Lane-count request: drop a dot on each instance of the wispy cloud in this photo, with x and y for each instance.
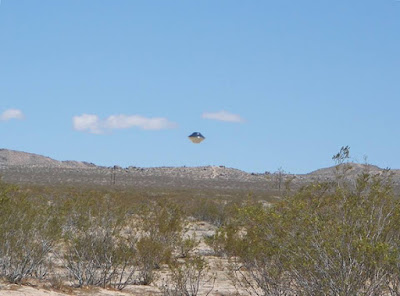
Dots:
(87, 123)
(223, 116)
(12, 114)
(93, 124)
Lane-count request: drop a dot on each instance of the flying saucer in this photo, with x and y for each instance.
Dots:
(196, 137)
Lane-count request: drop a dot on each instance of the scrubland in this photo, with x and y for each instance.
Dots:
(329, 238)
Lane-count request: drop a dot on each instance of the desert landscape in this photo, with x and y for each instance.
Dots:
(27, 168)
(199, 148)
(172, 230)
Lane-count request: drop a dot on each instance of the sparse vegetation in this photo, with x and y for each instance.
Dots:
(340, 237)
(102, 238)
(29, 228)
(188, 277)
(328, 239)
(96, 250)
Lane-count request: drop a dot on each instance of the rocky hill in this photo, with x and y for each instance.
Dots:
(27, 168)
(17, 158)
(353, 169)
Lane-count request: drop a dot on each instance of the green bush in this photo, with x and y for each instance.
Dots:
(162, 224)
(188, 277)
(96, 250)
(163, 221)
(328, 239)
(216, 212)
(29, 228)
(187, 245)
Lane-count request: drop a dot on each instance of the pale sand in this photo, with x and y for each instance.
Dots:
(219, 266)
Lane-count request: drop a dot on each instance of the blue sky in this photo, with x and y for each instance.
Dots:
(269, 83)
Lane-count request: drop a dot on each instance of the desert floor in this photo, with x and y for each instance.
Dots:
(218, 269)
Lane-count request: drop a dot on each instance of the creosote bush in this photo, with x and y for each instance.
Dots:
(162, 224)
(328, 239)
(214, 211)
(188, 277)
(102, 238)
(29, 228)
(187, 245)
(96, 250)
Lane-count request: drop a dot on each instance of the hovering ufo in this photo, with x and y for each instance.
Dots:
(196, 137)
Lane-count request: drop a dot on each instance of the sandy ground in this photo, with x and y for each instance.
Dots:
(219, 267)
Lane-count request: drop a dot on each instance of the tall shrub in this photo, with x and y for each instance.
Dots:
(329, 239)
(29, 229)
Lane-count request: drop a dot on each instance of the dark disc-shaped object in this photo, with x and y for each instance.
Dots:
(196, 137)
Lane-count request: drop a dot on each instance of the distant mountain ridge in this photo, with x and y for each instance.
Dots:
(29, 168)
(19, 158)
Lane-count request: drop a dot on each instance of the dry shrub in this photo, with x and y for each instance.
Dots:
(96, 253)
(29, 228)
(328, 239)
(188, 277)
(162, 223)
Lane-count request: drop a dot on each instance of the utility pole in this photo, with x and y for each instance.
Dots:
(113, 175)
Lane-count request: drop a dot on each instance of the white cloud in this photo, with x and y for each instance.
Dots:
(93, 124)
(127, 121)
(223, 116)
(87, 123)
(12, 114)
